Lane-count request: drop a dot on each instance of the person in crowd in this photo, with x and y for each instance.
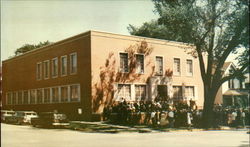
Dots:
(189, 118)
(171, 117)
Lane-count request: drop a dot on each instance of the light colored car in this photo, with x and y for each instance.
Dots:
(24, 117)
(7, 116)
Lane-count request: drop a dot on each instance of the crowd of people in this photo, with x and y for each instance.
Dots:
(180, 114)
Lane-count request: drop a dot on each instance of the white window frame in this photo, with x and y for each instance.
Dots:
(140, 72)
(61, 65)
(187, 70)
(54, 75)
(156, 73)
(49, 101)
(79, 93)
(18, 97)
(44, 62)
(145, 90)
(68, 93)
(37, 95)
(120, 70)
(51, 96)
(127, 99)
(39, 76)
(14, 93)
(181, 96)
(174, 73)
(8, 99)
(28, 102)
(30, 97)
(70, 65)
(188, 97)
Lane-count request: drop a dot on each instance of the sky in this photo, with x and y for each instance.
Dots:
(35, 21)
(40, 20)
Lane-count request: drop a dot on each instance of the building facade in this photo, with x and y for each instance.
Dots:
(80, 75)
(233, 92)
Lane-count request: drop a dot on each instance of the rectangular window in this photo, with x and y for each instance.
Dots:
(64, 94)
(25, 97)
(54, 65)
(124, 91)
(39, 71)
(140, 92)
(39, 93)
(73, 63)
(46, 69)
(159, 66)
(139, 63)
(55, 94)
(32, 96)
(177, 66)
(189, 91)
(14, 98)
(9, 98)
(123, 62)
(64, 65)
(20, 97)
(189, 67)
(74, 93)
(46, 92)
(178, 92)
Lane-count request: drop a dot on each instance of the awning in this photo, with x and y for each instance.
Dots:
(234, 93)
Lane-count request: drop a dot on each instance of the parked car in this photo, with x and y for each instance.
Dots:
(50, 119)
(7, 116)
(24, 117)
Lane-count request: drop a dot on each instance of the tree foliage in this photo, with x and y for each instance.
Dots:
(217, 28)
(28, 47)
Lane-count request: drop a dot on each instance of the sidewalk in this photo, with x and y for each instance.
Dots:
(102, 127)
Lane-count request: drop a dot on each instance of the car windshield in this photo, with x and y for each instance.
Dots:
(11, 113)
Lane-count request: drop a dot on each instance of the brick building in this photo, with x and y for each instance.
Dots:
(80, 75)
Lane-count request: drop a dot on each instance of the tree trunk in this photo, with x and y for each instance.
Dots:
(208, 116)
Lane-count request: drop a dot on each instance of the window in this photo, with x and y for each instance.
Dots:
(64, 94)
(19, 97)
(140, 92)
(46, 92)
(73, 63)
(177, 91)
(74, 93)
(64, 65)
(124, 91)
(55, 94)
(9, 98)
(46, 69)
(231, 84)
(54, 65)
(39, 94)
(25, 97)
(139, 63)
(159, 66)
(189, 67)
(39, 71)
(14, 98)
(123, 62)
(32, 96)
(177, 66)
(189, 91)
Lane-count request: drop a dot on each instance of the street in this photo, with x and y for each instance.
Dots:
(27, 136)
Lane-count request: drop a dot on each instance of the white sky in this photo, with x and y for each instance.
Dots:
(40, 20)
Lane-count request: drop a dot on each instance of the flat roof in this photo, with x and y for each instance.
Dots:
(88, 33)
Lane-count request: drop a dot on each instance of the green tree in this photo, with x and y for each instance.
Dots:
(28, 47)
(216, 29)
